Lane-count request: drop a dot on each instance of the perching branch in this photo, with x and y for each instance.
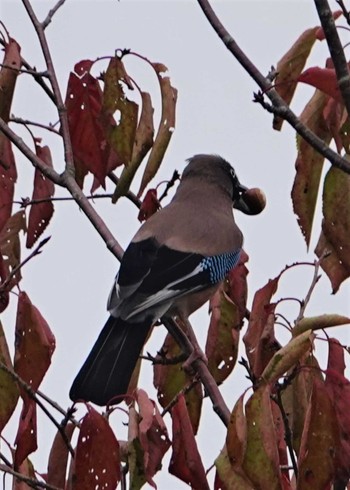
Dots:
(279, 107)
(336, 50)
(31, 482)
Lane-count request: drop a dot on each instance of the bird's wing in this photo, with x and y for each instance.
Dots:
(151, 276)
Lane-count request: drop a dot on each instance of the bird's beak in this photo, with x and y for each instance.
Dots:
(239, 202)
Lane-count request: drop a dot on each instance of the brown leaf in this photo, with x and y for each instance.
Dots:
(336, 225)
(227, 478)
(40, 214)
(259, 340)
(335, 116)
(319, 322)
(165, 129)
(90, 148)
(290, 66)
(261, 459)
(142, 144)
(135, 453)
(186, 463)
(8, 76)
(10, 246)
(319, 441)
(338, 388)
(26, 469)
(97, 460)
(58, 459)
(309, 164)
(286, 357)
(9, 391)
(149, 205)
(4, 291)
(34, 344)
(221, 347)
(26, 438)
(333, 267)
(170, 380)
(236, 438)
(153, 435)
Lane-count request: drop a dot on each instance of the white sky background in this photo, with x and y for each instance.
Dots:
(70, 281)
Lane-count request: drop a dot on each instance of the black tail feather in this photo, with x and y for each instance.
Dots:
(106, 372)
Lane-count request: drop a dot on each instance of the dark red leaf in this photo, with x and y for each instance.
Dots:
(90, 148)
(149, 206)
(153, 435)
(8, 178)
(186, 463)
(34, 344)
(9, 392)
(83, 67)
(40, 214)
(317, 457)
(338, 388)
(259, 339)
(26, 438)
(97, 460)
(236, 284)
(58, 459)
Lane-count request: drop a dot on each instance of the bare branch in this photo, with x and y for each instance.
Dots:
(51, 13)
(31, 482)
(344, 10)
(42, 74)
(335, 49)
(26, 122)
(279, 106)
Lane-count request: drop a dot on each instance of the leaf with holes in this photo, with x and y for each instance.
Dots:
(9, 391)
(153, 435)
(171, 379)
(221, 347)
(185, 463)
(8, 178)
(97, 460)
(165, 129)
(261, 458)
(34, 344)
(319, 441)
(309, 164)
(40, 214)
(10, 246)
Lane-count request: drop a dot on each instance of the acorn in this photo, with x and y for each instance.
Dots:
(255, 200)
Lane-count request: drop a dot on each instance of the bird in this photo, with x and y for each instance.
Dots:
(173, 265)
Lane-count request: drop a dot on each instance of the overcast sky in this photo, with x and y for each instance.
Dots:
(70, 281)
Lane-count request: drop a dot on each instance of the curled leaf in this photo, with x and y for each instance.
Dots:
(319, 322)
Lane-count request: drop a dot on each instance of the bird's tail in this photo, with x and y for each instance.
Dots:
(106, 372)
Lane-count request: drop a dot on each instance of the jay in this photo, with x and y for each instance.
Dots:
(173, 265)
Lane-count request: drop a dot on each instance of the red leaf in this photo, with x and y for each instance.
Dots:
(34, 344)
(319, 441)
(236, 284)
(9, 392)
(149, 206)
(8, 178)
(82, 67)
(338, 388)
(324, 79)
(84, 102)
(40, 214)
(97, 460)
(26, 438)
(320, 33)
(186, 463)
(153, 435)
(58, 459)
(259, 339)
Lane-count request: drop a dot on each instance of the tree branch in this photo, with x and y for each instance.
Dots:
(51, 13)
(31, 482)
(279, 106)
(336, 50)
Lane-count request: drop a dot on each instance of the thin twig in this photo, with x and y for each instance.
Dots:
(51, 13)
(26, 122)
(26, 479)
(345, 11)
(336, 50)
(27, 71)
(14, 271)
(315, 278)
(288, 437)
(186, 389)
(279, 106)
(31, 393)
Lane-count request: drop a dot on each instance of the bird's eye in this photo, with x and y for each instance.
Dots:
(233, 173)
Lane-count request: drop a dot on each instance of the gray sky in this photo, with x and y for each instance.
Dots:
(70, 281)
